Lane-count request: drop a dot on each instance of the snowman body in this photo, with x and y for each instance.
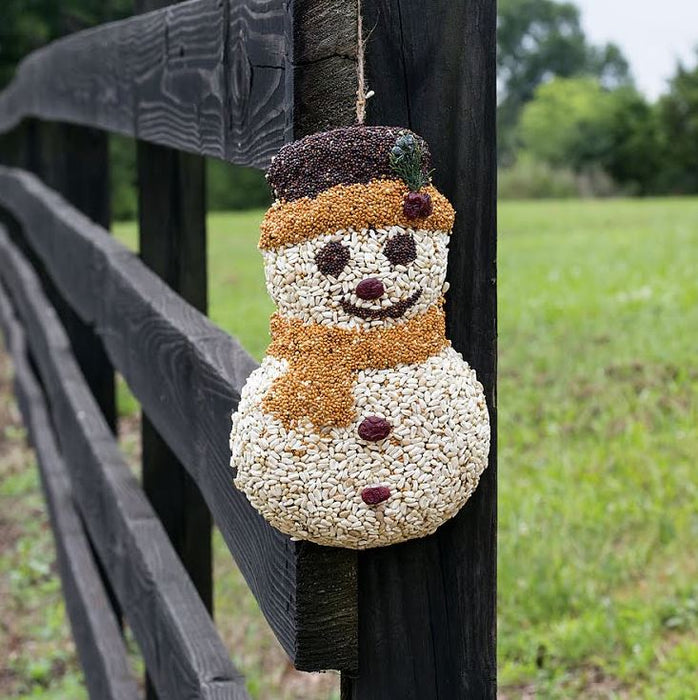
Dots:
(309, 484)
(383, 433)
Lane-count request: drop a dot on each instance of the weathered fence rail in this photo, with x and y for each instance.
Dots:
(233, 79)
(183, 653)
(223, 78)
(95, 628)
(187, 374)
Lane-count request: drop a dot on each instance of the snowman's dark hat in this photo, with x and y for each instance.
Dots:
(355, 154)
(362, 177)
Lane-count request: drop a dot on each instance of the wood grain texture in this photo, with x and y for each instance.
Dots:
(84, 182)
(188, 374)
(95, 628)
(184, 655)
(213, 77)
(172, 243)
(427, 608)
(49, 151)
(325, 58)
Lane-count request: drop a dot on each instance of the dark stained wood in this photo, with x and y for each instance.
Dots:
(183, 653)
(188, 375)
(427, 608)
(95, 628)
(325, 58)
(324, 39)
(74, 161)
(172, 236)
(213, 77)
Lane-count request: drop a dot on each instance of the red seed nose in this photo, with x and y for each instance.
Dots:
(373, 495)
(370, 288)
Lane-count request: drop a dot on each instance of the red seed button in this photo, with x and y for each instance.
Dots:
(374, 428)
(370, 288)
(373, 495)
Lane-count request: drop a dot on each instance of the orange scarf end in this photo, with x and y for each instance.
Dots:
(324, 362)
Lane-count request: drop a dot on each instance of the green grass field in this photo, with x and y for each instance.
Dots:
(598, 500)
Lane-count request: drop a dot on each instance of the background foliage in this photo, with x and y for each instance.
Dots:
(569, 106)
(538, 39)
(570, 121)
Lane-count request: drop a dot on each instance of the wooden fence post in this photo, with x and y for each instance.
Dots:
(427, 608)
(172, 225)
(172, 242)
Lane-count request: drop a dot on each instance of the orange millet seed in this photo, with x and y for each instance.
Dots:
(324, 360)
(378, 204)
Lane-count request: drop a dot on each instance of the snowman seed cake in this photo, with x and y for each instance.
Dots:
(362, 427)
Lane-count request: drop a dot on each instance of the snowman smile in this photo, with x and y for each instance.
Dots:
(393, 311)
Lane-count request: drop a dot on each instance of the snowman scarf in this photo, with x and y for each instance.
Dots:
(324, 362)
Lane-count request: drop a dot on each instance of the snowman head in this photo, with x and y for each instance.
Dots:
(354, 247)
(363, 278)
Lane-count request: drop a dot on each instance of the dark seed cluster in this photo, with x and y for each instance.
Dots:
(373, 495)
(417, 205)
(355, 154)
(332, 258)
(394, 311)
(374, 428)
(401, 249)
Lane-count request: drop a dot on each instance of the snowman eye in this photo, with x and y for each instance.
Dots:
(400, 249)
(332, 259)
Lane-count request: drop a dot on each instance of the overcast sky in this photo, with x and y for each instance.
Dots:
(653, 35)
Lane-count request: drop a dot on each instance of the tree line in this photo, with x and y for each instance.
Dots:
(570, 120)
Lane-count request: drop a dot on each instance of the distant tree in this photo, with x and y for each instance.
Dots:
(536, 41)
(609, 65)
(634, 158)
(123, 176)
(579, 124)
(234, 187)
(568, 123)
(678, 122)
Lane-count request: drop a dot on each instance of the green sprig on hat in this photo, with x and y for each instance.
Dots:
(406, 161)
